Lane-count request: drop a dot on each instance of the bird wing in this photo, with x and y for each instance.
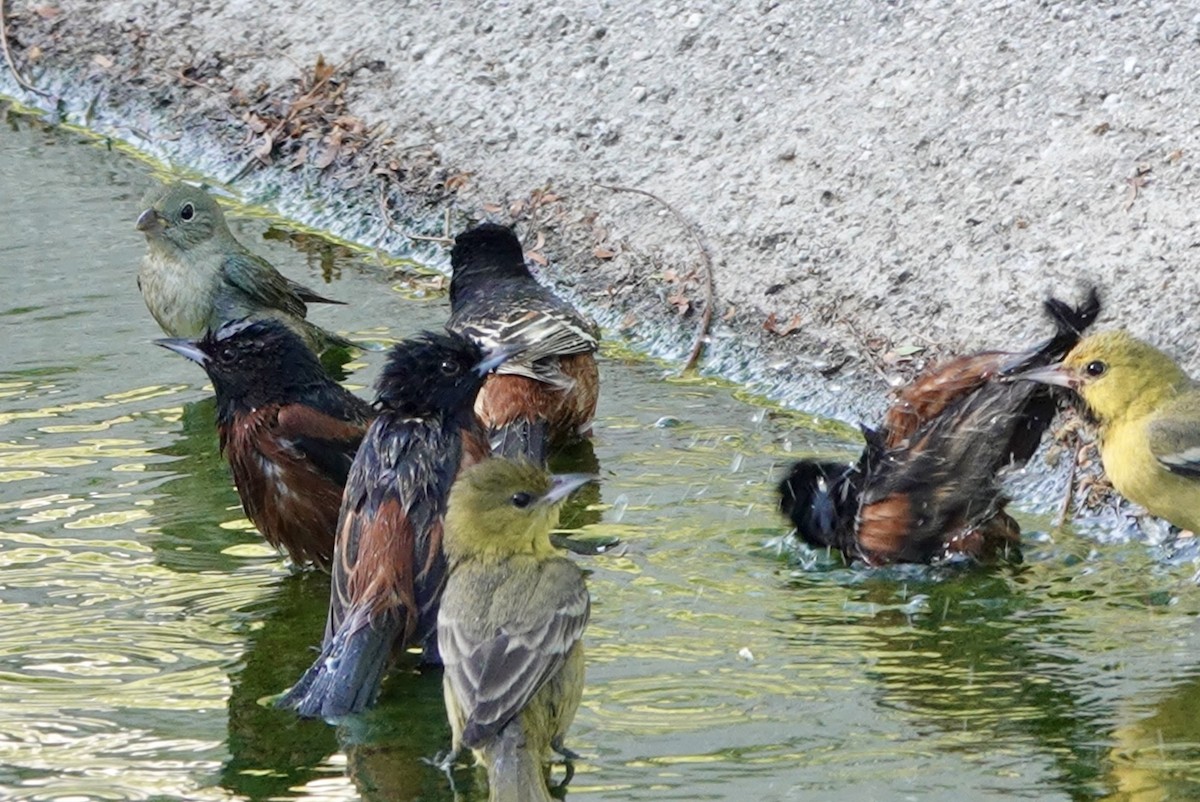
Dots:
(308, 294)
(1175, 437)
(389, 530)
(495, 667)
(256, 278)
(328, 443)
(542, 334)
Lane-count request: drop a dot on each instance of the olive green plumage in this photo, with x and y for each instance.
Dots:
(510, 624)
(196, 276)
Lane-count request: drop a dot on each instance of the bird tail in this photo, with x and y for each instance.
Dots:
(524, 437)
(1070, 322)
(516, 773)
(321, 340)
(345, 677)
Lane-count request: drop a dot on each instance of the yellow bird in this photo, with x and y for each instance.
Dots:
(510, 624)
(1148, 411)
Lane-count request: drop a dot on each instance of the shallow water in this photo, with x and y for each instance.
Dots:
(143, 621)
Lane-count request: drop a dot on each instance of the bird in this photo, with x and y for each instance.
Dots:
(926, 486)
(388, 567)
(288, 431)
(196, 276)
(547, 396)
(1148, 414)
(511, 623)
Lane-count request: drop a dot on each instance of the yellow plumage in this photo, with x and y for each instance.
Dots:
(1148, 412)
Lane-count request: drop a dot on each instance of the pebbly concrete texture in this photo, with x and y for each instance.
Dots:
(876, 182)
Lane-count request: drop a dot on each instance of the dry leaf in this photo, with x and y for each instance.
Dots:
(680, 302)
(47, 12)
(33, 54)
(538, 257)
(601, 252)
(492, 208)
(730, 313)
(772, 325)
(322, 72)
(102, 61)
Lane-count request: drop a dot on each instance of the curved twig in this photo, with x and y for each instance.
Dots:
(706, 261)
(12, 65)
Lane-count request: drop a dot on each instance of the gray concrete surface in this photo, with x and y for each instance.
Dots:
(880, 177)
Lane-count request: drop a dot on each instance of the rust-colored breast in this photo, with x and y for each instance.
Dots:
(506, 398)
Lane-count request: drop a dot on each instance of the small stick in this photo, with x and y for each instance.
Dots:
(12, 65)
(445, 239)
(706, 260)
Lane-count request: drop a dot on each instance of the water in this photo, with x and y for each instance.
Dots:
(143, 621)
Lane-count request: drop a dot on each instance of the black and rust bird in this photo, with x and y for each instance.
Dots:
(511, 624)
(196, 276)
(926, 485)
(389, 568)
(288, 431)
(547, 395)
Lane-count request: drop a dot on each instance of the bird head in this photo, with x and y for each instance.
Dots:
(1115, 374)
(488, 251)
(436, 373)
(505, 507)
(252, 362)
(181, 216)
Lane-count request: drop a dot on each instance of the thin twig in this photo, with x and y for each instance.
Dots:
(445, 239)
(1065, 508)
(869, 352)
(706, 260)
(12, 65)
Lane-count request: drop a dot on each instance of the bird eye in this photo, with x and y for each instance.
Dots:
(1095, 368)
(227, 354)
(521, 500)
(187, 211)
(449, 367)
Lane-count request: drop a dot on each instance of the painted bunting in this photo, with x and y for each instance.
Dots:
(388, 568)
(288, 431)
(511, 623)
(196, 276)
(1148, 412)
(548, 395)
(926, 484)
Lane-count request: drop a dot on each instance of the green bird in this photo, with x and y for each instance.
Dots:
(196, 276)
(510, 624)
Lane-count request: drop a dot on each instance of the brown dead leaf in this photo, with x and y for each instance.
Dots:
(600, 252)
(33, 54)
(102, 61)
(456, 181)
(670, 275)
(1173, 157)
(680, 302)
(492, 208)
(773, 325)
(537, 257)
(47, 11)
(730, 313)
(540, 242)
(322, 72)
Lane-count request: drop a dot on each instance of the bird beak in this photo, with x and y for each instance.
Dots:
(564, 484)
(497, 357)
(1049, 374)
(150, 221)
(188, 349)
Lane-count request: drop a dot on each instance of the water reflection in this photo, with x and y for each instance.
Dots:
(272, 751)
